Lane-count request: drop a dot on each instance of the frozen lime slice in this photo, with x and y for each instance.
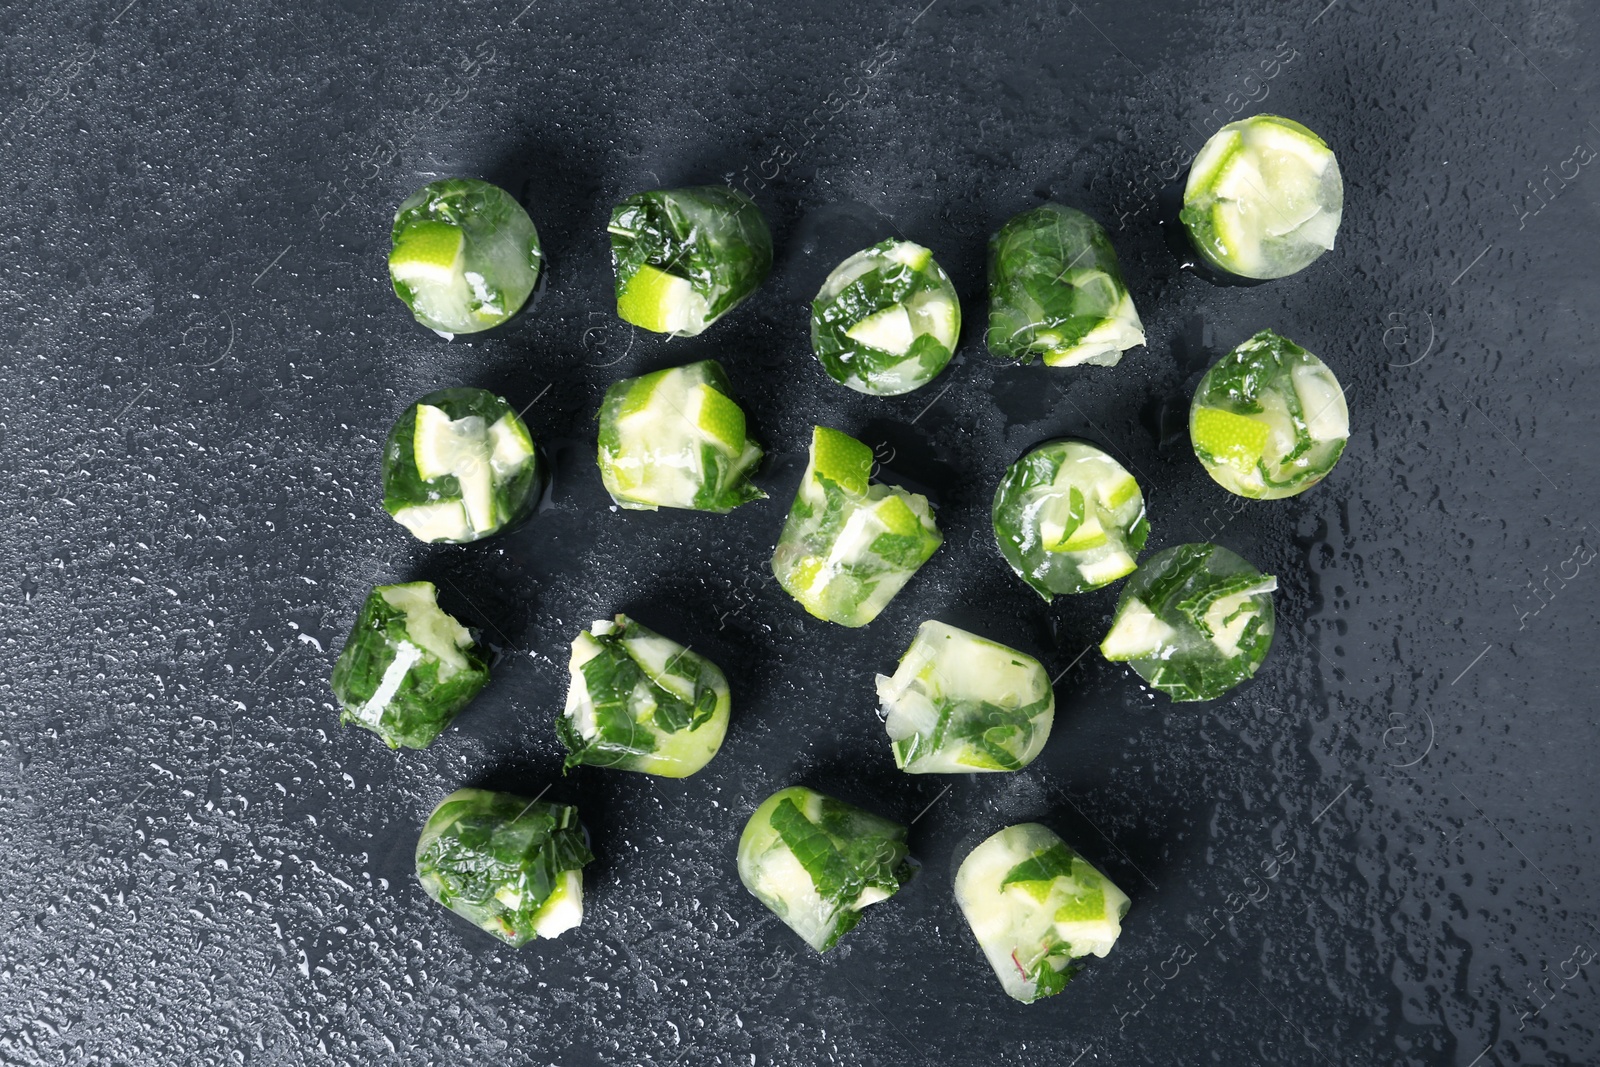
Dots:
(911, 254)
(841, 458)
(432, 441)
(1240, 231)
(660, 302)
(444, 446)
(509, 445)
(1285, 136)
(937, 314)
(716, 416)
(429, 253)
(1227, 619)
(1115, 494)
(1089, 534)
(804, 577)
(1062, 513)
(477, 495)
(1240, 179)
(1037, 888)
(897, 516)
(1136, 633)
(1322, 400)
(870, 895)
(1088, 906)
(563, 908)
(427, 625)
(888, 331)
(1115, 564)
(1236, 440)
(444, 521)
(857, 266)
(637, 399)
(1297, 189)
(458, 447)
(1215, 155)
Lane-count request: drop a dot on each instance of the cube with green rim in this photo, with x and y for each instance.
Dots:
(638, 701)
(1069, 518)
(1036, 907)
(464, 257)
(1194, 621)
(849, 544)
(817, 862)
(459, 465)
(1264, 198)
(509, 865)
(886, 320)
(686, 257)
(407, 668)
(1269, 419)
(1056, 291)
(677, 439)
(960, 703)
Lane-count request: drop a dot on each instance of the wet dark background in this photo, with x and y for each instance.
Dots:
(1377, 853)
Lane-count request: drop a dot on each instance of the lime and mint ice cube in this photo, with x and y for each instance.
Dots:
(849, 545)
(464, 255)
(677, 439)
(459, 465)
(886, 320)
(1264, 198)
(1069, 518)
(1194, 621)
(1268, 419)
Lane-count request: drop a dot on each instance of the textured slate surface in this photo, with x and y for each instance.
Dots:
(1374, 854)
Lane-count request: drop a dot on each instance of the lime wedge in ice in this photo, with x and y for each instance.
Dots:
(1237, 440)
(1088, 906)
(429, 253)
(716, 416)
(888, 331)
(657, 301)
(840, 458)
(897, 516)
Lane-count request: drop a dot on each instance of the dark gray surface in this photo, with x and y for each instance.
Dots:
(1376, 853)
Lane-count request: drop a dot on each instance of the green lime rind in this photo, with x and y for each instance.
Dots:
(638, 701)
(848, 545)
(1264, 198)
(1221, 436)
(816, 862)
(1206, 617)
(1295, 400)
(892, 278)
(677, 438)
(391, 678)
(656, 300)
(499, 262)
(514, 492)
(504, 863)
(1068, 484)
(841, 459)
(712, 236)
(1056, 291)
